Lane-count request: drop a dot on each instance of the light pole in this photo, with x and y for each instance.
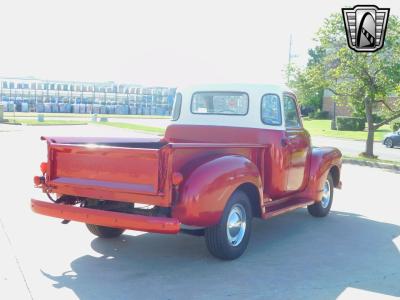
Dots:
(333, 123)
(290, 60)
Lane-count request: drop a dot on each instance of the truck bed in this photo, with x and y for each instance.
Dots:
(127, 170)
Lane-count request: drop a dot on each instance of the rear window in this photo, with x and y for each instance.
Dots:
(220, 103)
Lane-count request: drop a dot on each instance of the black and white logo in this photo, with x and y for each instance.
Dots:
(365, 27)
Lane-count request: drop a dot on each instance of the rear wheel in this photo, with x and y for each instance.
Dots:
(322, 207)
(104, 232)
(229, 238)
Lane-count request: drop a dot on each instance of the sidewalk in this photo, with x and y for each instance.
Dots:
(12, 281)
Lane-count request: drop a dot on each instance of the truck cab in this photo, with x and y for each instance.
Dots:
(271, 118)
(230, 154)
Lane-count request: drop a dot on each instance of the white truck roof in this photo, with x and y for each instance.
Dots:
(252, 119)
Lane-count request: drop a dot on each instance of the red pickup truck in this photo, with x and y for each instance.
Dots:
(231, 153)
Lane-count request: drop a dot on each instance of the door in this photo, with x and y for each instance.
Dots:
(297, 144)
(396, 138)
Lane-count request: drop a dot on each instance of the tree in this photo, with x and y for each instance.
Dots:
(363, 80)
(309, 94)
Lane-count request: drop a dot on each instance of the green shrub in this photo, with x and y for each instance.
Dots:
(376, 118)
(395, 125)
(319, 115)
(350, 123)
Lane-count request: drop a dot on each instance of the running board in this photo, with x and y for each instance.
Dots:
(280, 207)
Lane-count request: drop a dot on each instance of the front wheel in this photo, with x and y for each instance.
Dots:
(229, 238)
(389, 143)
(321, 208)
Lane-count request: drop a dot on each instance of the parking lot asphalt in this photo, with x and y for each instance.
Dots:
(354, 148)
(354, 253)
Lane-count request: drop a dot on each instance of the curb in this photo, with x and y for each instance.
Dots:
(346, 139)
(22, 124)
(372, 164)
(54, 124)
(7, 123)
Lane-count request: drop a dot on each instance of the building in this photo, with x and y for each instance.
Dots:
(36, 95)
(343, 109)
(328, 105)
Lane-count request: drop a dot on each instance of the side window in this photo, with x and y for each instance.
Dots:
(176, 111)
(292, 119)
(271, 110)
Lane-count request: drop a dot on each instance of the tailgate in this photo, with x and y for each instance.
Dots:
(103, 172)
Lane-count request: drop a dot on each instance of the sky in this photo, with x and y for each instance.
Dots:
(165, 42)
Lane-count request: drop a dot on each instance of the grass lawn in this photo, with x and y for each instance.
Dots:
(315, 127)
(323, 128)
(137, 127)
(85, 116)
(33, 122)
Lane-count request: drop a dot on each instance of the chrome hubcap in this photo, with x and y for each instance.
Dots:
(236, 225)
(326, 194)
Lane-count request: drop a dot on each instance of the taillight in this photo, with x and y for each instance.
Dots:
(177, 178)
(38, 180)
(43, 167)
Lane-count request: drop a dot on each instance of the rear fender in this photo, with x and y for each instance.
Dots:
(206, 190)
(322, 161)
